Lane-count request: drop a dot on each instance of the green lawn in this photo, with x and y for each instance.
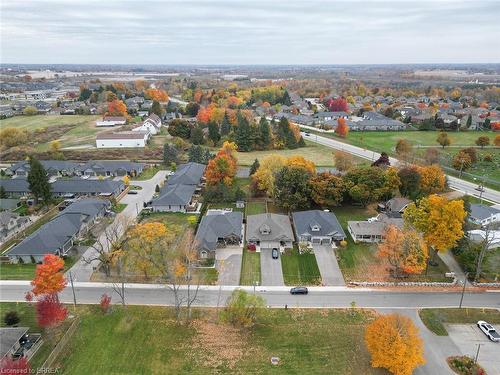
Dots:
(168, 218)
(148, 173)
(26, 271)
(119, 207)
(435, 319)
(27, 315)
(146, 340)
(300, 269)
(250, 268)
(256, 207)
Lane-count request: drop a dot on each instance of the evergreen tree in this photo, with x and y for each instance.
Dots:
(243, 136)
(469, 121)
(197, 136)
(157, 189)
(3, 194)
(283, 130)
(286, 98)
(156, 108)
(170, 153)
(290, 141)
(195, 154)
(206, 156)
(265, 133)
(254, 167)
(225, 128)
(301, 142)
(213, 132)
(39, 181)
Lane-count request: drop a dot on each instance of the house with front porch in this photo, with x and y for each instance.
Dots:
(218, 229)
(316, 227)
(268, 231)
(372, 231)
(176, 198)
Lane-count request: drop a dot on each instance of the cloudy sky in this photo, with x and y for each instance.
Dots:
(249, 32)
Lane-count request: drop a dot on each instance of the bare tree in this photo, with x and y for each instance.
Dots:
(488, 238)
(108, 246)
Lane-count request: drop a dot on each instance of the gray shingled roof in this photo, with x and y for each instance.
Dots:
(50, 237)
(327, 222)
(217, 226)
(111, 165)
(481, 211)
(187, 174)
(279, 225)
(58, 165)
(174, 195)
(15, 185)
(9, 336)
(81, 186)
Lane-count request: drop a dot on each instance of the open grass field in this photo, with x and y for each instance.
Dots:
(300, 269)
(146, 340)
(81, 128)
(435, 319)
(250, 268)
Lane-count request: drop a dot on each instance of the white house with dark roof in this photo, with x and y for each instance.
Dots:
(483, 215)
(128, 139)
(151, 125)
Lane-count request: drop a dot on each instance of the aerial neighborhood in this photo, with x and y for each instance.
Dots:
(210, 191)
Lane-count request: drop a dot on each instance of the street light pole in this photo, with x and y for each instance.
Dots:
(477, 353)
(463, 291)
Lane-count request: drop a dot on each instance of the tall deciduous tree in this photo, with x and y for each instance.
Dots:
(394, 344)
(328, 190)
(156, 108)
(443, 139)
(291, 188)
(117, 108)
(264, 177)
(483, 141)
(410, 182)
(49, 277)
(432, 179)
(342, 129)
(243, 309)
(440, 220)
(337, 105)
(49, 311)
(38, 181)
(343, 161)
(222, 168)
(404, 149)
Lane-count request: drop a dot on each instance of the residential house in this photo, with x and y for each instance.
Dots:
(58, 235)
(15, 187)
(479, 236)
(52, 167)
(16, 342)
(394, 207)
(329, 116)
(317, 227)
(372, 230)
(111, 121)
(122, 139)
(269, 231)
(113, 168)
(152, 125)
(483, 215)
(175, 198)
(89, 188)
(188, 174)
(11, 223)
(219, 229)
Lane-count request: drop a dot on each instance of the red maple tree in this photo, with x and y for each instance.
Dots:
(49, 311)
(337, 105)
(8, 365)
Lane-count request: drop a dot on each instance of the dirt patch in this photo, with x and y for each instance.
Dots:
(220, 345)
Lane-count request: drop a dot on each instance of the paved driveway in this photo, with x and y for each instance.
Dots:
(228, 264)
(467, 337)
(270, 269)
(328, 266)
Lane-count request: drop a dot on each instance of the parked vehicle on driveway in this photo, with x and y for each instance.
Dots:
(299, 290)
(488, 330)
(275, 253)
(133, 192)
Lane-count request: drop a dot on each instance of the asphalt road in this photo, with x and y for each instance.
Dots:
(270, 269)
(81, 270)
(331, 297)
(454, 182)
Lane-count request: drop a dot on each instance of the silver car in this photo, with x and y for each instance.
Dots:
(488, 330)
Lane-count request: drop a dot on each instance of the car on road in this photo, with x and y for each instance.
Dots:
(488, 330)
(480, 188)
(308, 134)
(299, 290)
(275, 253)
(133, 192)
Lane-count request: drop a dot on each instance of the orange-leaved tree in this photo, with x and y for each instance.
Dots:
(394, 344)
(222, 168)
(405, 250)
(117, 108)
(301, 162)
(432, 179)
(49, 277)
(440, 220)
(156, 94)
(342, 129)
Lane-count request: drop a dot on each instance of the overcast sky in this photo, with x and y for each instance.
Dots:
(249, 32)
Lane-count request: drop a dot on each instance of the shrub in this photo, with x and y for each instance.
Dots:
(11, 318)
(105, 303)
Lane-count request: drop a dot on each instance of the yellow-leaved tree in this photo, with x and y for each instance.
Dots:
(432, 179)
(439, 219)
(394, 344)
(264, 177)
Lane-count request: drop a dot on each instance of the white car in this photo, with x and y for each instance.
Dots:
(488, 330)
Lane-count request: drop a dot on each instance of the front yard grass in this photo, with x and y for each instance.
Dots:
(256, 207)
(119, 207)
(146, 340)
(435, 319)
(148, 173)
(300, 269)
(26, 271)
(250, 268)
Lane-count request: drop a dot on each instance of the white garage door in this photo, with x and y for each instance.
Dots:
(269, 244)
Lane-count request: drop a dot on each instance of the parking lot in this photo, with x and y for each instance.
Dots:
(467, 337)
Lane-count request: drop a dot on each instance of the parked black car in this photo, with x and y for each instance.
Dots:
(299, 290)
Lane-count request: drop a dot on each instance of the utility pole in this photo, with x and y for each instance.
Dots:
(477, 353)
(72, 288)
(463, 291)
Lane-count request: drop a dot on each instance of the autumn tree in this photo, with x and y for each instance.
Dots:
(405, 250)
(291, 188)
(156, 94)
(117, 108)
(443, 139)
(50, 312)
(440, 220)
(337, 105)
(382, 161)
(264, 177)
(222, 168)
(394, 344)
(343, 161)
(367, 184)
(30, 111)
(496, 142)
(432, 179)
(38, 181)
(301, 162)
(410, 182)
(483, 141)
(9, 365)
(204, 114)
(342, 129)
(404, 149)
(243, 309)
(461, 162)
(49, 277)
(179, 128)
(328, 190)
